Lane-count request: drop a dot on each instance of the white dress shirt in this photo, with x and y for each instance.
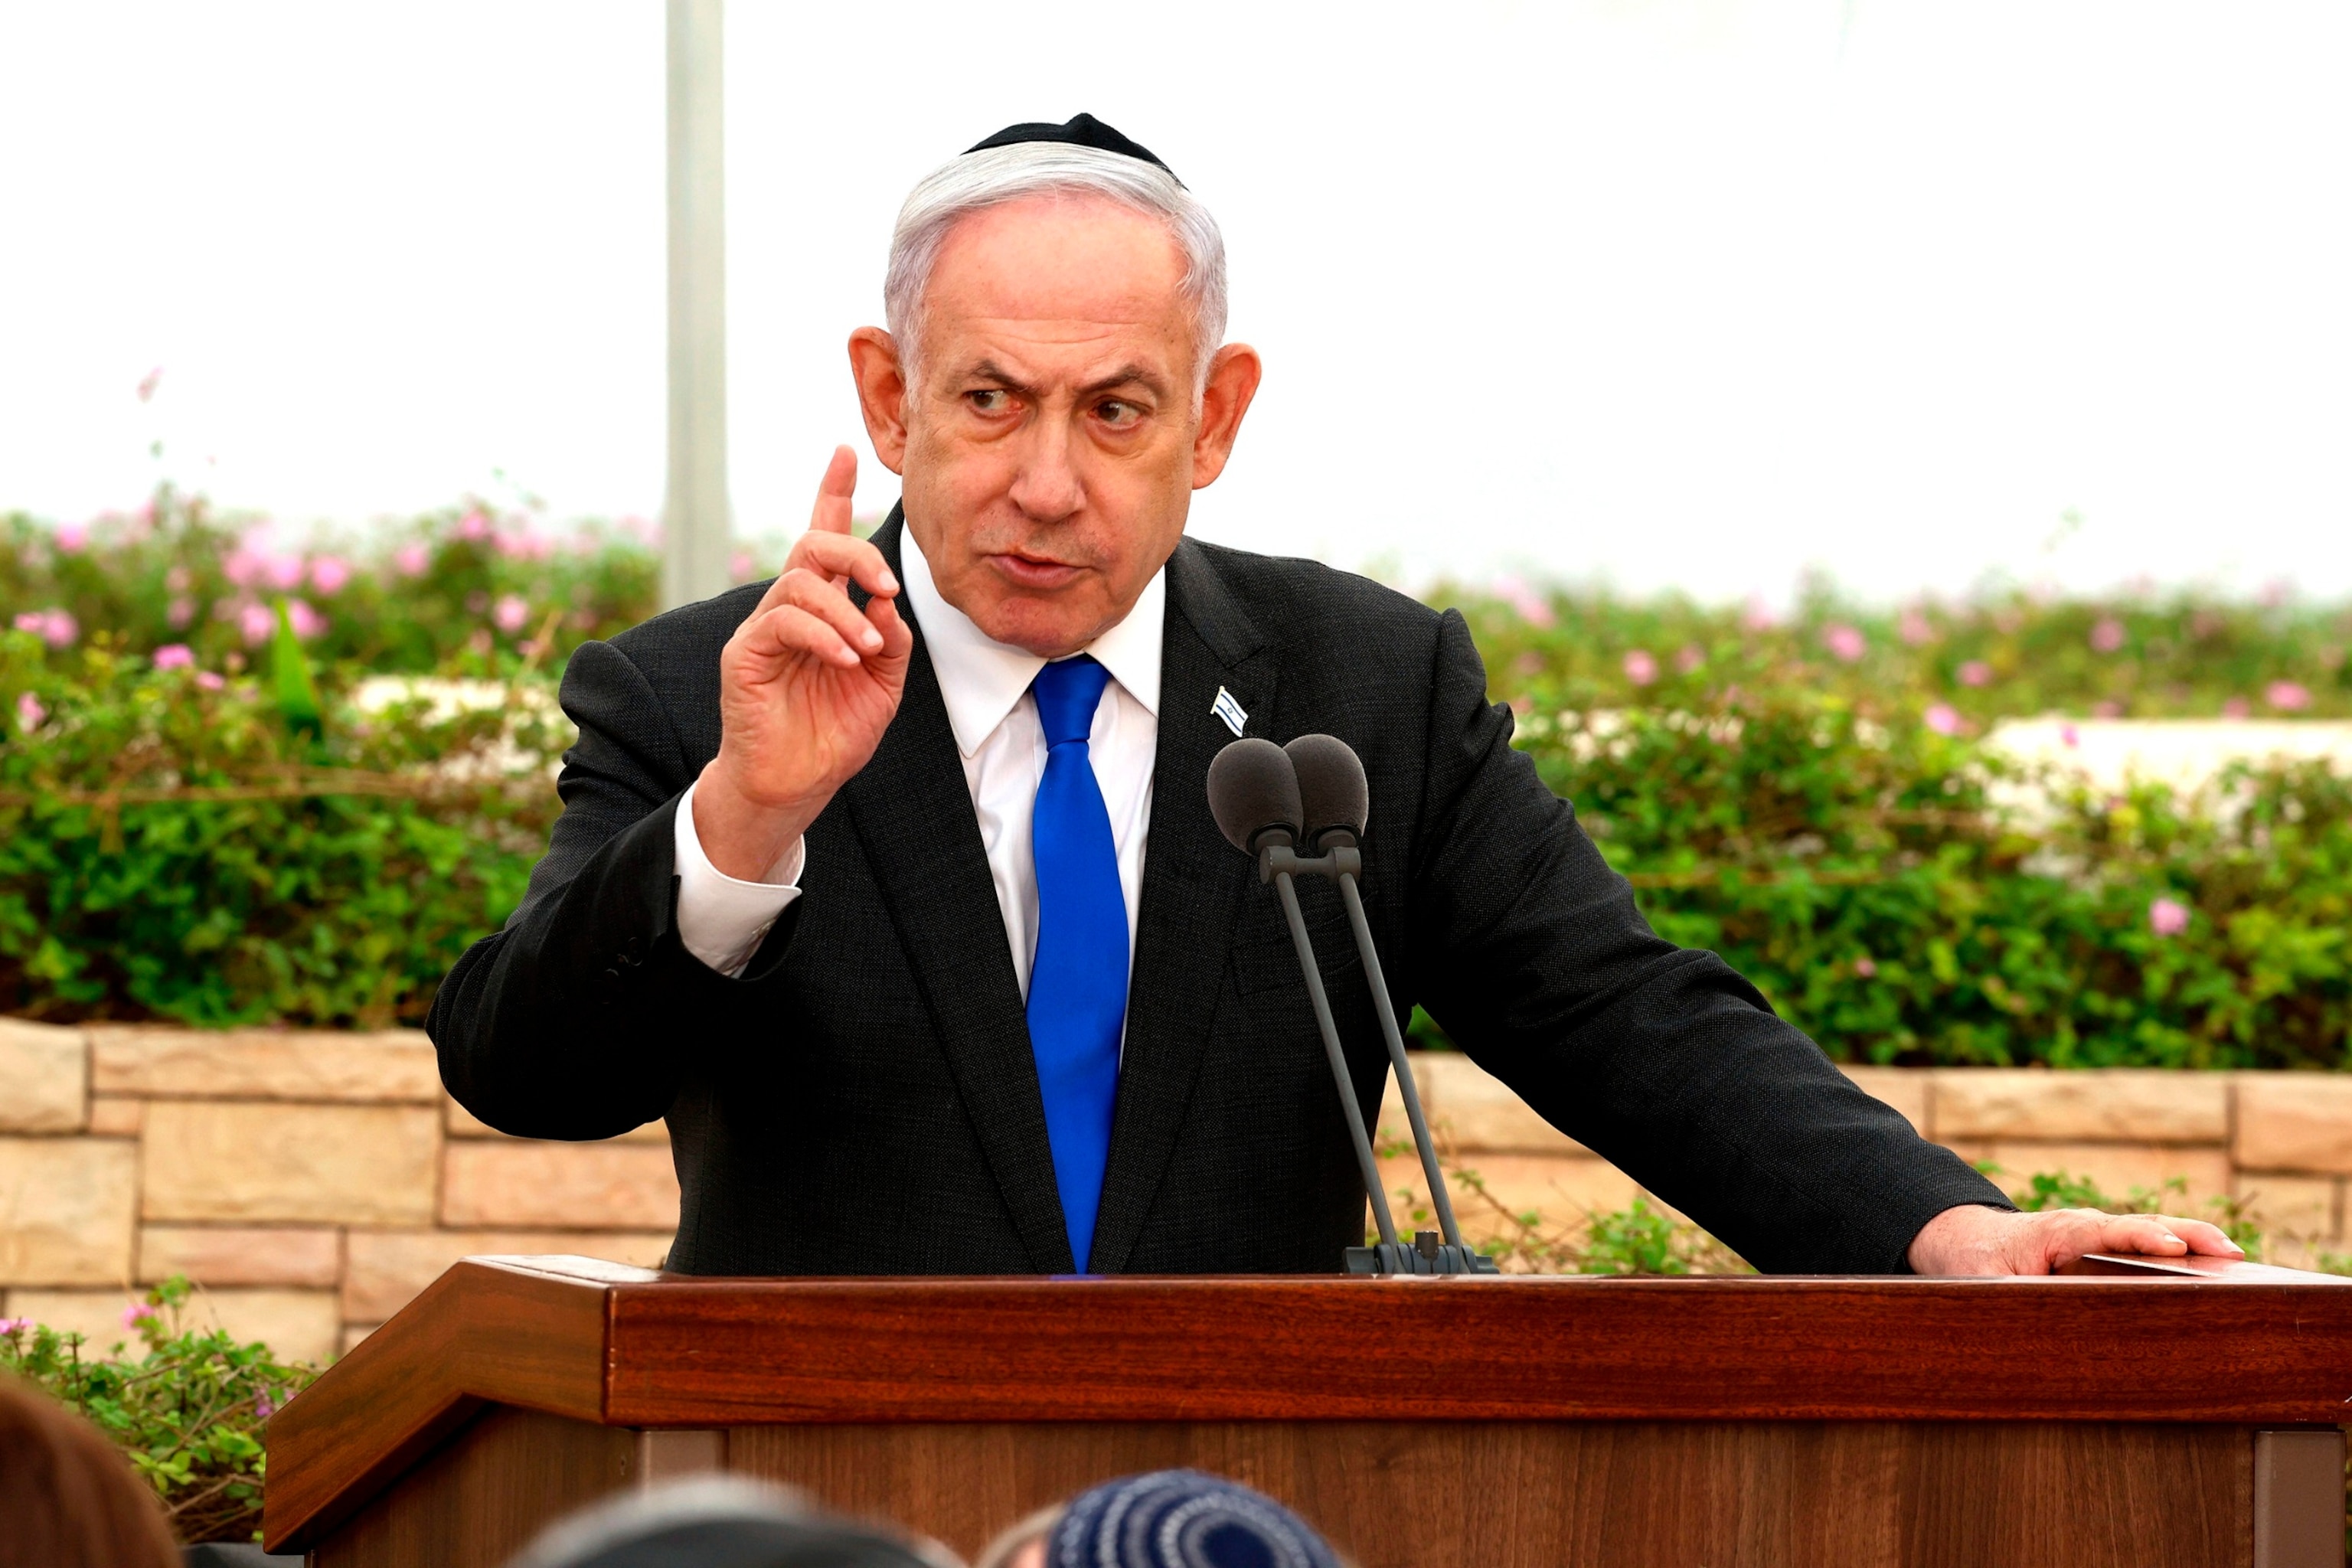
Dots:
(985, 683)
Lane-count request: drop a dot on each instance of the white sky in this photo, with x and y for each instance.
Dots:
(1680, 294)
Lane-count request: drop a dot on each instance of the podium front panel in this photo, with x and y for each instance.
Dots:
(2182, 1418)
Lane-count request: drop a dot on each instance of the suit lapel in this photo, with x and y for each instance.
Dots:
(1193, 884)
(913, 813)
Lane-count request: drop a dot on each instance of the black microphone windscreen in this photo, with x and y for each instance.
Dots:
(1252, 789)
(1332, 793)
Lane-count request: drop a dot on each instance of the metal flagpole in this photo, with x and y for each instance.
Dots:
(695, 509)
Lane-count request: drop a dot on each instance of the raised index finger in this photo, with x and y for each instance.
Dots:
(833, 493)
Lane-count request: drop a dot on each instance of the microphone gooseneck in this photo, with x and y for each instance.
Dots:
(1271, 802)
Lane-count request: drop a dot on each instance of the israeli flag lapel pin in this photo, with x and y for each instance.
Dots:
(1225, 708)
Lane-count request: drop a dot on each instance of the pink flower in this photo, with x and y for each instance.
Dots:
(1865, 966)
(1914, 629)
(329, 573)
(739, 566)
(1758, 616)
(307, 622)
(30, 714)
(58, 628)
(1976, 672)
(2069, 736)
(174, 656)
(2236, 707)
(29, 621)
(14, 1325)
(210, 681)
(2286, 696)
(136, 1313)
(2107, 635)
(72, 538)
(473, 525)
(1847, 642)
(147, 384)
(282, 571)
(257, 623)
(411, 560)
(1943, 718)
(241, 566)
(1641, 669)
(1532, 606)
(2167, 917)
(180, 611)
(1690, 657)
(510, 613)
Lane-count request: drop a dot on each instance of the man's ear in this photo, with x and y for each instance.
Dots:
(881, 379)
(1234, 375)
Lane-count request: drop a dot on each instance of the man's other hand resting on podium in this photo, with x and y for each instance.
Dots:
(1973, 1239)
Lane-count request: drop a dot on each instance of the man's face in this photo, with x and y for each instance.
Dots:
(1052, 445)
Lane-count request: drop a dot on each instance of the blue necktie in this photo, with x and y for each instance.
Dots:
(1077, 983)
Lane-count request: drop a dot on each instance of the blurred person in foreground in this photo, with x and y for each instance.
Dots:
(68, 1498)
(720, 1521)
(892, 883)
(1166, 1518)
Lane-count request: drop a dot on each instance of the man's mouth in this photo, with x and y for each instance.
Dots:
(1032, 571)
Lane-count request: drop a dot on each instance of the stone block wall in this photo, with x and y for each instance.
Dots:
(310, 1183)
(313, 1183)
(2280, 1143)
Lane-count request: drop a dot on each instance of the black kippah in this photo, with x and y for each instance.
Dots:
(1079, 130)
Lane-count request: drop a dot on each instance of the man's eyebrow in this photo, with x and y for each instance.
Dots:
(989, 369)
(1127, 374)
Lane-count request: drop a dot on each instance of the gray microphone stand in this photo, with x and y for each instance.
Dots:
(1431, 1251)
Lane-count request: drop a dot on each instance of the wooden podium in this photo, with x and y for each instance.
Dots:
(2151, 1416)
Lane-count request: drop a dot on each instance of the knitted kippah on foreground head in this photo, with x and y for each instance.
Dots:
(1182, 1518)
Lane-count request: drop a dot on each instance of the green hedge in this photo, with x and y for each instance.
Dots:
(171, 847)
(187, 1412)
(1907, 897)
(191, 834)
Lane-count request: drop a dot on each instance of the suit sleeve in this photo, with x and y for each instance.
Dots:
(564, 1025)
(1662, 1059)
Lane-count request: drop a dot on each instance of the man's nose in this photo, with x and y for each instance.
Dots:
(1046, 488)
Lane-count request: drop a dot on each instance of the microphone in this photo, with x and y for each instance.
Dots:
(1254, 795)
(1335, 801)
(1269, 801)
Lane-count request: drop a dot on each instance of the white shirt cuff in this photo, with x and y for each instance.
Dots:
(723, 920)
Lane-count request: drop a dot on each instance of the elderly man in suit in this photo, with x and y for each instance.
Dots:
(892, 885)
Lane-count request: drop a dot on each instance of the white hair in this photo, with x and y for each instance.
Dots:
(978, 181)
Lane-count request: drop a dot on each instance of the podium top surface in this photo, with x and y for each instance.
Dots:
(603, 1343)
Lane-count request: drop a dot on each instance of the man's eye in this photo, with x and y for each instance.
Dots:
(989, 400)
(1117, 413)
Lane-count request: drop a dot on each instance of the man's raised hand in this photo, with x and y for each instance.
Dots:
(807, 686)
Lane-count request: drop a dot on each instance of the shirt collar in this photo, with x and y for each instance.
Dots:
(981, 679)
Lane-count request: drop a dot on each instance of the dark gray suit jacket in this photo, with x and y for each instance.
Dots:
(862, 1100)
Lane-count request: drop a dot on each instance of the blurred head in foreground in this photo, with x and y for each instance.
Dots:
(68, 1499)
(1166, 1518)
(719, 1522)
